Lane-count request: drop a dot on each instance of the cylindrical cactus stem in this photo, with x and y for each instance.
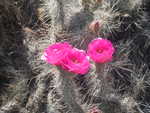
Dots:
(35, 101)
(69, 96)
(66, 88)
(52, 104)
(100, 69)
(103, 74)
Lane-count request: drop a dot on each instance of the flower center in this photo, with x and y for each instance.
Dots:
(75, 60)
(99, 50)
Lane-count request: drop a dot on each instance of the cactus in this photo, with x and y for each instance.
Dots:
(29, 85)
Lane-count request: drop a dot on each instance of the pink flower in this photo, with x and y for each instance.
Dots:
(76, 61)
(101, 50)
(56, 52)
